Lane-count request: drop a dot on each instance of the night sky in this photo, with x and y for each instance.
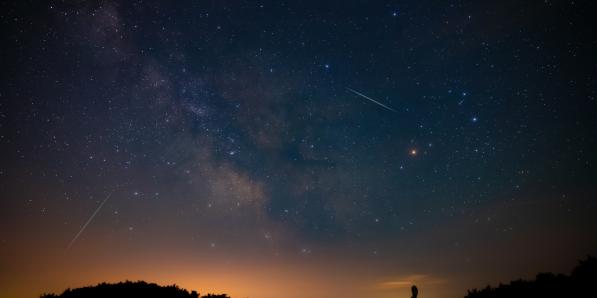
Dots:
(286, 149)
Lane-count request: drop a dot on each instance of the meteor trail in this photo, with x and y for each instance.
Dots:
(369, 98)
(88, 221)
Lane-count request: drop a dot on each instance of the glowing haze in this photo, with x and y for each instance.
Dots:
(279, 150)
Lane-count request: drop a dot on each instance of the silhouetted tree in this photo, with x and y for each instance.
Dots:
(130, 289)
(216, 296)
(580, 283)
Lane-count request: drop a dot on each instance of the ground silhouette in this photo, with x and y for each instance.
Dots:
(582, 282)
(131, 289)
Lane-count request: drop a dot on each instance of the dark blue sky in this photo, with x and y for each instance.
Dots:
(231, 130)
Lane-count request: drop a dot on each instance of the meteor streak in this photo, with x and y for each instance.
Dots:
(88, 221)
(369, 98)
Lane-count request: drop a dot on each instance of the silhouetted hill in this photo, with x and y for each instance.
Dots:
(130, 289)
(582, 282)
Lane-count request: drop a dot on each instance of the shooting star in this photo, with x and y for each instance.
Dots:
(371, 99)
(88, 221)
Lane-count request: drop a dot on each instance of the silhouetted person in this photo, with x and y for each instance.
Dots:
(415, 291)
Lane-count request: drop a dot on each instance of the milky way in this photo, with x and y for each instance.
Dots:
(260, 148)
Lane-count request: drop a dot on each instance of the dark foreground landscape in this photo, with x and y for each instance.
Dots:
(580, 283)
(298, 149)
(131, 289)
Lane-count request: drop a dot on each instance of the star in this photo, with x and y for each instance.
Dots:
(208, 124)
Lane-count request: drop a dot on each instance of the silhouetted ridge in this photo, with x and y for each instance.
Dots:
(582, 282)
(130, 289)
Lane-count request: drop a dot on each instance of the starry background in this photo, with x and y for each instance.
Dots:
(234, 157)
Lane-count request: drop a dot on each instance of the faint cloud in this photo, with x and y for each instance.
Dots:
(403, 282)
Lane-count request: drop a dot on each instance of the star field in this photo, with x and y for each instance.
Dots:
(448, 144)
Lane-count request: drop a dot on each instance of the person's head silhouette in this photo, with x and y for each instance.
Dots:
(415, 291)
